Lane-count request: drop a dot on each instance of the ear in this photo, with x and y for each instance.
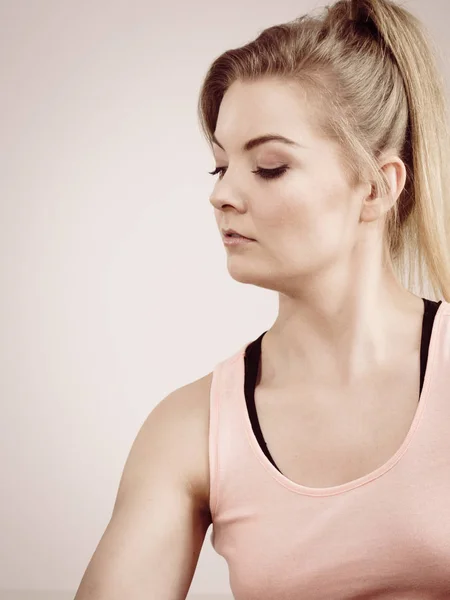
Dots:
(375, 206)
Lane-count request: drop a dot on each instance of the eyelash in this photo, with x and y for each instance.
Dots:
(264, 173)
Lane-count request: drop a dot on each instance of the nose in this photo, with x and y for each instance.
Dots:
(220, 203)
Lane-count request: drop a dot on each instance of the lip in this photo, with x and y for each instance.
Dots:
(236, 241)
(227, 231)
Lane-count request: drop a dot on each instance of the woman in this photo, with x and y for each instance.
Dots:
(320, 451)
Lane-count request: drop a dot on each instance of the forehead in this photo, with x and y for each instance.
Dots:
(270, 106)
(249, 109)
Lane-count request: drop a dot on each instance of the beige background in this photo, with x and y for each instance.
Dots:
(114, 288)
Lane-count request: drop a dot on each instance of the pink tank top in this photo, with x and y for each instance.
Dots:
(383, 536)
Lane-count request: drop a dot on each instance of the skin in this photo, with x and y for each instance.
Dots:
(347, 333)
(319, 242)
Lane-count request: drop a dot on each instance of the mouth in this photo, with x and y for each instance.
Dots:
(230, 233)
(236, 236)
(236, 240)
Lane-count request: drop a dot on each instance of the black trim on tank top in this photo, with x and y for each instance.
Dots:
(252, 359)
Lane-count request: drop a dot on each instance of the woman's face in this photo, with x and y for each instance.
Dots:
(305, 220)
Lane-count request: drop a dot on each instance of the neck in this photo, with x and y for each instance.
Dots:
(342, 328)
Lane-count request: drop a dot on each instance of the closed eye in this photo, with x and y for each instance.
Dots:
(264, 173)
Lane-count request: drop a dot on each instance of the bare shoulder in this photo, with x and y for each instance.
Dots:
(195, 396)
(161, 513)
(184, 414)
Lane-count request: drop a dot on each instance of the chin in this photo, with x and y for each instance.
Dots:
(249, 275)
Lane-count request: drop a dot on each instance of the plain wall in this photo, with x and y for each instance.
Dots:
(114, 287)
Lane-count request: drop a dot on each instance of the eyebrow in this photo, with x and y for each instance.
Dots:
(262, 139)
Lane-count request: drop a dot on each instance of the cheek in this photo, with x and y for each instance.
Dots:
(310, 218)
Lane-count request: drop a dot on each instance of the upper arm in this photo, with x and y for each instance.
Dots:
(151, 545)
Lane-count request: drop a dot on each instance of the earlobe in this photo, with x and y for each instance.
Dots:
(371, 208)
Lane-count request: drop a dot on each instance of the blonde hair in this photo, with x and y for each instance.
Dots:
(370, 68)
